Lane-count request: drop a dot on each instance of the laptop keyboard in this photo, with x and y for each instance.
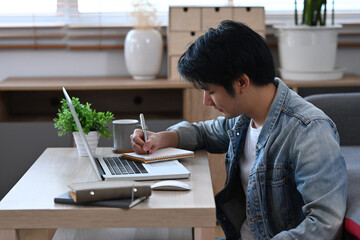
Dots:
(121, 166)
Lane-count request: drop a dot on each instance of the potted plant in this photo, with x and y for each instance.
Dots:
(143, 48)
(94, 124)
(307, 51)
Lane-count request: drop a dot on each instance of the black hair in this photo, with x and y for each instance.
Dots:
(225, 53)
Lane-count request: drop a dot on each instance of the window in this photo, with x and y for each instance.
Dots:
(30, 24)
(30, 12)
(276, 10)
(288, 5)
(10, 7)
(117, 11)
(92, 6)
(94, 24)
(86, 6)
(104, 6)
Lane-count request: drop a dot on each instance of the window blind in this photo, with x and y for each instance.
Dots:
(36, 24)
(91, 27)
(103, 24)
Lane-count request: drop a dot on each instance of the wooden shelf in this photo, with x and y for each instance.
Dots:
(125, 97)
(158, 99)
(346, 81)
(34, 46)
(88, 83)
(49, 117)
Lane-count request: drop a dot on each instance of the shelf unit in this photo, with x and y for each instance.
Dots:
(32, 99)
(186, 24)
(37, 99)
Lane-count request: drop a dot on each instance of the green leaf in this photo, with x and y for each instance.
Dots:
(90, 120)
(314, 12)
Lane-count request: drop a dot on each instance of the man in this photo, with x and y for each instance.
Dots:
(286, 178)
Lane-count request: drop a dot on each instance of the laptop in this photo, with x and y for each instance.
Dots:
(114, 167)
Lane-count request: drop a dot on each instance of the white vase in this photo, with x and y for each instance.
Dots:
(143, 50)
(310, 50)
(92, 139)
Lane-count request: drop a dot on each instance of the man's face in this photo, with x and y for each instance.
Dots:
(220, 99)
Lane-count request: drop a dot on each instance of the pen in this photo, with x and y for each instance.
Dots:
(144, 128)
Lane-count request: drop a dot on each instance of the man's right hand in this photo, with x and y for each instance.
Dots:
(154, 142)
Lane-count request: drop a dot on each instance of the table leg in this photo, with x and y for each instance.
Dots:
(35, 234)
(204, 233)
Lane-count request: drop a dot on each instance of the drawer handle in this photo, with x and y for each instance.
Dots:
(192, 34)
(217, 9)
(138, 100)
(248, 9)
(54, 102)
(185, 9)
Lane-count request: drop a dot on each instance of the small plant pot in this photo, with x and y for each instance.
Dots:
(92, 139)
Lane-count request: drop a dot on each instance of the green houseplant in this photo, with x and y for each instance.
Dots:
(307, 50)
(93, 123)
(314, 13)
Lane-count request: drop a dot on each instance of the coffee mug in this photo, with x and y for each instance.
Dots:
(122, 129)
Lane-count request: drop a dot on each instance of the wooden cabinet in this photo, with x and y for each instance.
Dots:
(212, 16)
(185, 18)
(254, 17)
(178, 39)
(186, 24)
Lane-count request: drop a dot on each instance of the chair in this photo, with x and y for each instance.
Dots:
(344, 110)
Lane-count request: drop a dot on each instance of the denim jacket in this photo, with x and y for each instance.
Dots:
(297, 186)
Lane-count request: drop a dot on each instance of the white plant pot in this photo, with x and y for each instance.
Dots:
(92, 139)
(143, 50)
(307, 49)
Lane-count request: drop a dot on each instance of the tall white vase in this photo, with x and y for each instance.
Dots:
(92, 139)
(143, 53)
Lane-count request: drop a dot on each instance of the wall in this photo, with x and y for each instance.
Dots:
(28, 63)
(21, 144)
(37, 63)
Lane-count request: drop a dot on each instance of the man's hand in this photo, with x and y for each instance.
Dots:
(141, 147)
(154, 142)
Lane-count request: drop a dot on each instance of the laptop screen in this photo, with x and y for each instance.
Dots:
(81, 132)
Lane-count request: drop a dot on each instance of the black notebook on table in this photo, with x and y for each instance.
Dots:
(117, 203)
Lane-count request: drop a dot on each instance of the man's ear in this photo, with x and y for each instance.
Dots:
(243, 83)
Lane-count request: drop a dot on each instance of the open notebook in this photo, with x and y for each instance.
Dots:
(163, 154)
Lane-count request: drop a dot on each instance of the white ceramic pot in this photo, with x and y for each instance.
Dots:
(143, 52)
(308, 49)
(92, 139)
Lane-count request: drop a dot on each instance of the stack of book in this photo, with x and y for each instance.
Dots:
(119, 194)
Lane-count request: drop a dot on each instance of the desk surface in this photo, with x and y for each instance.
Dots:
(32, 198)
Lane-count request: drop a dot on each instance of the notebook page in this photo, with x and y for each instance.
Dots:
(162, 154)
